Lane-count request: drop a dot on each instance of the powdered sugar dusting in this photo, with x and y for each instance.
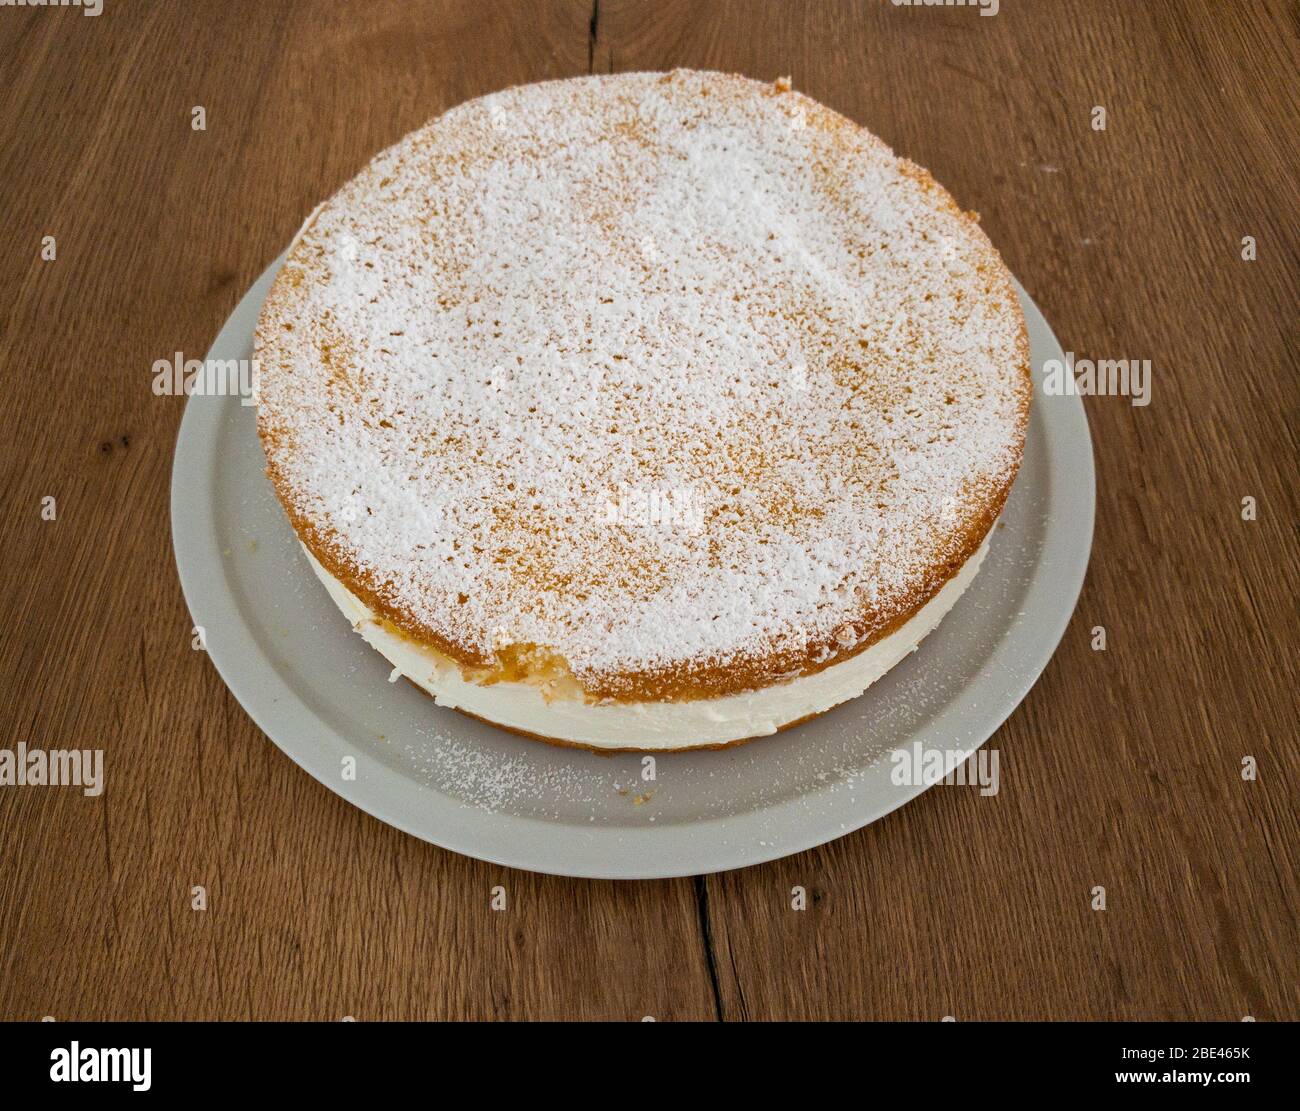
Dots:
(494, 781)
(686, 283)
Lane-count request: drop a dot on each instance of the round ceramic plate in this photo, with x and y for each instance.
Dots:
(321, 694)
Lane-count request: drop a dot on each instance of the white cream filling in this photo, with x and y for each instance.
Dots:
(648, 725)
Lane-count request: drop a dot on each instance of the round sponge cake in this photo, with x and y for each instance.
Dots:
(641, 390)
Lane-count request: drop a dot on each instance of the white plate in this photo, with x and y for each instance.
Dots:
(321, 694)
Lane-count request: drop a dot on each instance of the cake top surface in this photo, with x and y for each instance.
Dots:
(682, 377)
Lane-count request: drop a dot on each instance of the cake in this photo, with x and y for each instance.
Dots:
(642, 412)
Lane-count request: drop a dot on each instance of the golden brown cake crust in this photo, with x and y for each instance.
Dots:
(324, 380)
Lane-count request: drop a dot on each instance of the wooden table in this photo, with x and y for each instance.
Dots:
(1122, 768)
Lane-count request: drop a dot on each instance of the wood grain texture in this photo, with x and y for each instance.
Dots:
(1121, 768)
